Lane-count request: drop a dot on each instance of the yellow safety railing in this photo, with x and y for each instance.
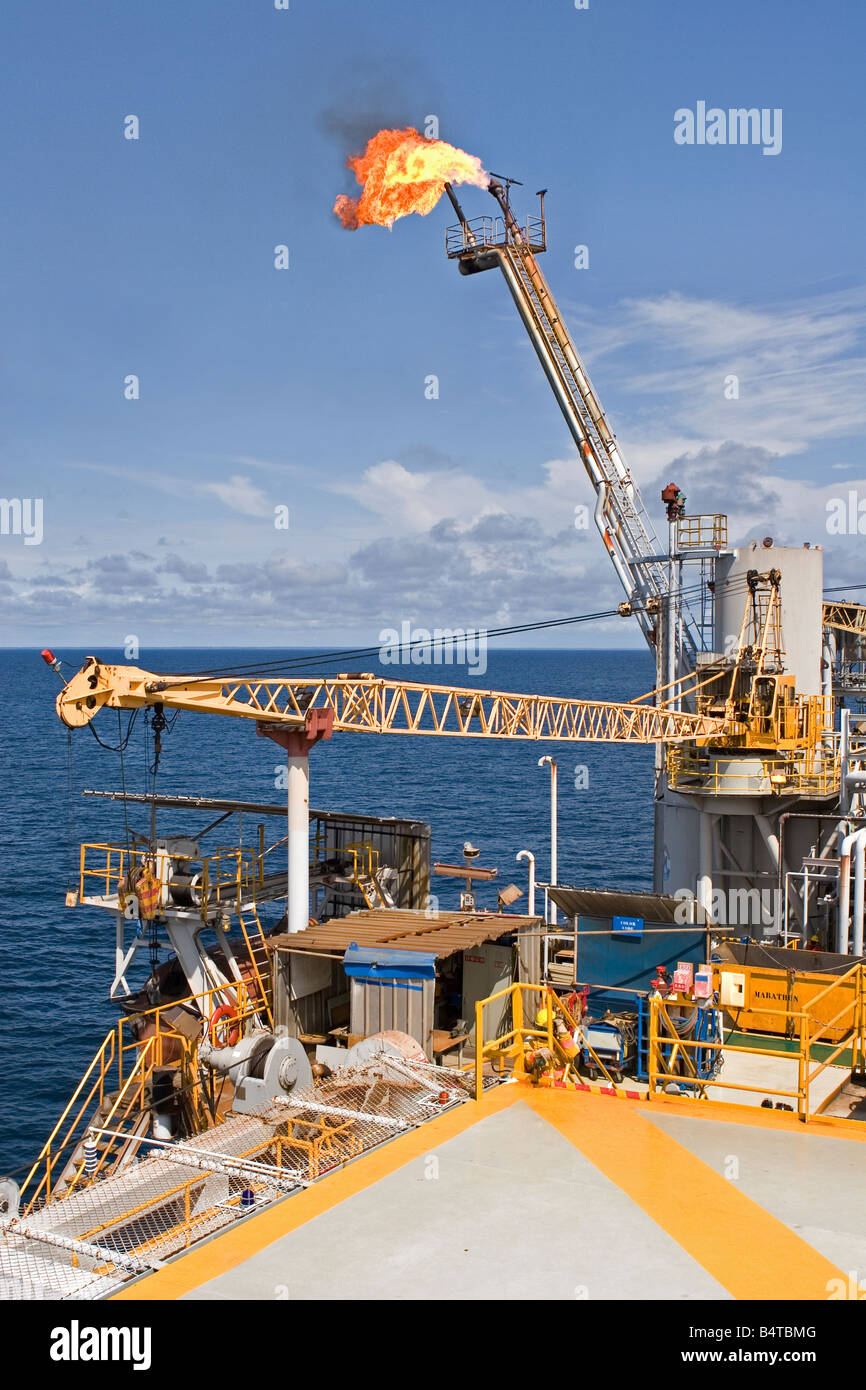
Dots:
(365, 864)
(226, 878)
(112, 1093)
(687, 770)
(66, 1133)
(128, 1107)
(706, 531)
(511, 1044)
(671, 1056)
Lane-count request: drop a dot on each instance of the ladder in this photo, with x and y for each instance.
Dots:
(260, 960)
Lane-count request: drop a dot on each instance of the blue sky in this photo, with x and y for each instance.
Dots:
(305, 387)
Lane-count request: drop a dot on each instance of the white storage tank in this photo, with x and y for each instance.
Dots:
(801, 589)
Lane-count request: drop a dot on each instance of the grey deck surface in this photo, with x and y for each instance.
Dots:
(815, 1184)
(514, 1206)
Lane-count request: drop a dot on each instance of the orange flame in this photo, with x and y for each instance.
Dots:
(400, 172)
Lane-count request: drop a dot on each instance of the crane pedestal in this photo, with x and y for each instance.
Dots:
(319, 724)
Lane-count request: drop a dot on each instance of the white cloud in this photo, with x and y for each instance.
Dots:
(800, 365)
(416, 501)
(240, 495)
(419, 536)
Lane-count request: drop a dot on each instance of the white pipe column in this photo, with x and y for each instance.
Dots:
(705, 867)
(843, 905)
(298, 843)
(853, 846)
(319, 724)
(553, 829)
(600, 518)
(527, 854)
(771, 840)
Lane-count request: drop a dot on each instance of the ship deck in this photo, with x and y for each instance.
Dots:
(579, 1195)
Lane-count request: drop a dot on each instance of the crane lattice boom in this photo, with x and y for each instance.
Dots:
(848, 617)
(369, 704)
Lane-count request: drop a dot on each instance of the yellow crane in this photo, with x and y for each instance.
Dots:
(372, 704)
(299, 711)
(847, 617)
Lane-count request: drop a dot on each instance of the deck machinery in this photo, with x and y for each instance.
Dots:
(763, 833)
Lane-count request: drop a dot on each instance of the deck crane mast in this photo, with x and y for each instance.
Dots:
(622, 520)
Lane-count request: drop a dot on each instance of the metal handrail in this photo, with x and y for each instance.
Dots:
(511, 1043)
(110, 1056)
(228, 873)
(141, 1068)
(50, 1152)
(808, 1036)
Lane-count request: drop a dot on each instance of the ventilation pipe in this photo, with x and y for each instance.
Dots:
(828, 659)
(852, 846)
(600, 517)
(705, 868)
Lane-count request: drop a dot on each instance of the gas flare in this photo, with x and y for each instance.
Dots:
(401, 171)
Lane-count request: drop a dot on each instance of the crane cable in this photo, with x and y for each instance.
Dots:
(281, 664)
(70, 817)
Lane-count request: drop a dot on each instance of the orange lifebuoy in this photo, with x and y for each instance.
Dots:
(224, 1011)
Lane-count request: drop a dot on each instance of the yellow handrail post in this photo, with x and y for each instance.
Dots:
(205, 888)
(651, 1051)
(479, 1047)
(517, 1024)
(803, 1071)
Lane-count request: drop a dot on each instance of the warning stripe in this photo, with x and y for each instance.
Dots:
(559, 1084)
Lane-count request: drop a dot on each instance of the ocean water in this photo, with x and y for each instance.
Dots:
(58, 962)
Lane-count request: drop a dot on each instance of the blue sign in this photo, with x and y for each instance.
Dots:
(378, 963)
(628, 926)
